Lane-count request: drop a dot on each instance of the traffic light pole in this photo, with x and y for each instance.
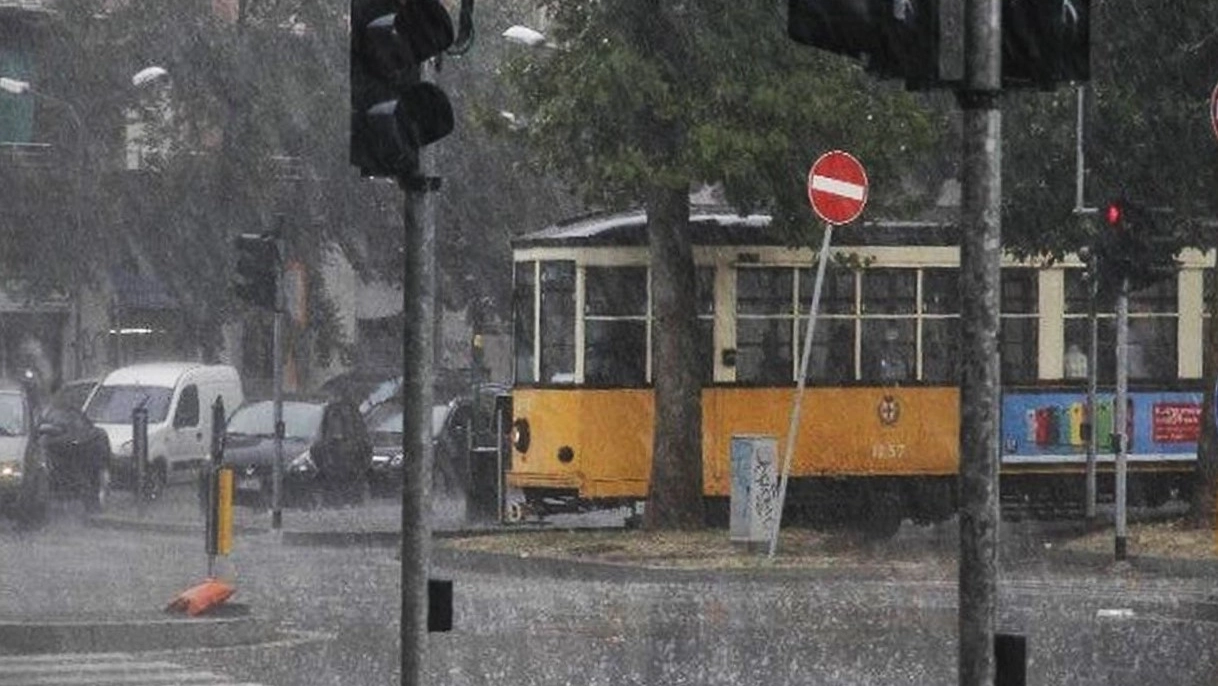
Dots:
(418, 341)
(277, 392)
(1121, 414)
(980, 259)
(1093, 360)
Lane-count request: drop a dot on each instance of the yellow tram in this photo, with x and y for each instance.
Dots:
(879, 431)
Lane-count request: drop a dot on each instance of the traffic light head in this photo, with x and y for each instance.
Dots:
(257, 270)
(1114, 216)
(393, 112)
(1135, 245)
(1044, 42)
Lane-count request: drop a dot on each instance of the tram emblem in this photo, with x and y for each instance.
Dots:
(889, 410)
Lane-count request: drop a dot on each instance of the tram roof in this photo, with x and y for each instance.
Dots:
(725, 226)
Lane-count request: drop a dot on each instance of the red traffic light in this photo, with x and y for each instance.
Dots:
(1113, 214)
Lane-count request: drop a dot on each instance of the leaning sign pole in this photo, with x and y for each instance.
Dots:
(837, 190)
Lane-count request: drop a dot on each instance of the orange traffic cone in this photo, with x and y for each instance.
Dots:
(199, 599)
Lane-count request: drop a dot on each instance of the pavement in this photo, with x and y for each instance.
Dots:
(85, 604)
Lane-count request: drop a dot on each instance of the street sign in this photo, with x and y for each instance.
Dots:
(837, 187)
(1214, 111)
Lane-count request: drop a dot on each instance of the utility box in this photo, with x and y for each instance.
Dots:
(754, 496)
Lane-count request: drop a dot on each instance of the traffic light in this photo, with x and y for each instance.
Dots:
(257, 269)
(1134, 246)
(394, 113)
(1044, 42)
(894, 39)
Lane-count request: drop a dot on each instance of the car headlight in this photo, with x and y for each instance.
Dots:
(10, 469)
(302, 463)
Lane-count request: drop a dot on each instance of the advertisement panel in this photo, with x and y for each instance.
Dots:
(1049, 426)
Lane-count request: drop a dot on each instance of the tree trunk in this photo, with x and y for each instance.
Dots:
(674, 500)
(1204, 492)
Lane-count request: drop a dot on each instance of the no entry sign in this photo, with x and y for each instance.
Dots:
(837, 187)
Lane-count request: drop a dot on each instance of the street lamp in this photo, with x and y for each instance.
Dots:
(19, 87)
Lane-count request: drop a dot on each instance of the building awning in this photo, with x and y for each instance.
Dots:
(15, 298)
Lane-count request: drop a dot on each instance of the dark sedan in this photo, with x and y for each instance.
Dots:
(451, 441)
(326, 453)
(77, 456)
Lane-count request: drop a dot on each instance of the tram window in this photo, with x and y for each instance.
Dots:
(1077, 333)
(889, 291)
(1019, 325)
(763, 350)
(832, 356)
(522, 317)
(558, 322)
(615, 352)
(706, 291)
(706, 323)
(836, 293)
(764, 291)
(941, 291)
(888, 350)
(940, 350)
(615, 326)
(615, 291)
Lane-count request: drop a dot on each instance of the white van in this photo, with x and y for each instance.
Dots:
(179, 398)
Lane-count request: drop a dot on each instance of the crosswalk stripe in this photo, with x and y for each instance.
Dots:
(103, 669)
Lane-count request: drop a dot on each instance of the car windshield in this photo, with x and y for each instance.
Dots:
(73, 395)
(115, 404)
(389, 421)
(12, 414)
(300, 420)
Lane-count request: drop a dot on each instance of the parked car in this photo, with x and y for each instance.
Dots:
(366, 387)
(178, 397)
(77, 455)
(74, 394)
(24, 481)
(451, 442)
(326, 453)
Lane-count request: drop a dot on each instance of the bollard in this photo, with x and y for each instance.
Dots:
(1010, 660)
(139, 454)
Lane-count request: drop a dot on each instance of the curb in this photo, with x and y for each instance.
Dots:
(231, 626)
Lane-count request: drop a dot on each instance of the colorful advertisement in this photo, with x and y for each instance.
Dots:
(1050, 426)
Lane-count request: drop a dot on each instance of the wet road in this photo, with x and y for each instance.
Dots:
(340, 606)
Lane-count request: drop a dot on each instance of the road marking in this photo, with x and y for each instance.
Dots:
(828, 184)
(1114, 613)
(103, 669)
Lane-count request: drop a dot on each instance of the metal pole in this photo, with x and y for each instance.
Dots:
(1121, 413)
(980, 259)
(800, 382)
(1079, 168)
(418, 344)
(277, 397)
(1093, 352)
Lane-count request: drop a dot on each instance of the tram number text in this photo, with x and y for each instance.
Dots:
(887, 451)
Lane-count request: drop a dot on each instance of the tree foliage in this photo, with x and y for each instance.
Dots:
(638, 102)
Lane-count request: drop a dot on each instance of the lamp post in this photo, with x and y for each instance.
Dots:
(18, 87)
